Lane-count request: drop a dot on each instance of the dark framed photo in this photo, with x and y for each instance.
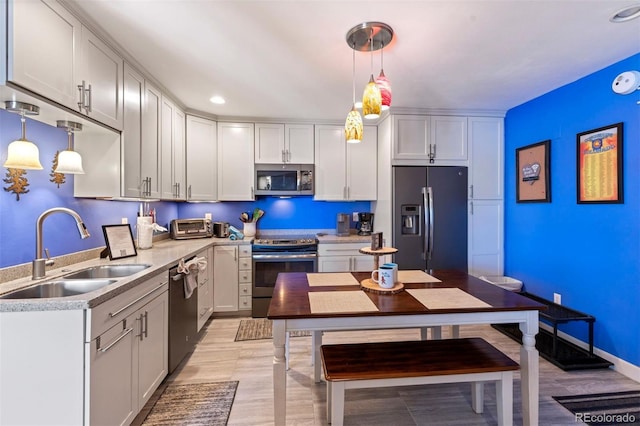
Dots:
(376, 241)
(119, 241)
(533, 173)
(599, 165)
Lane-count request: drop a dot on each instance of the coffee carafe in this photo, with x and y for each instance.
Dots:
(365, 223)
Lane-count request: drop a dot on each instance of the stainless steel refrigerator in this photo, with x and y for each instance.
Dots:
(430, 217)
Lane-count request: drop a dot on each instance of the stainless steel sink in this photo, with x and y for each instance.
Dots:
(107, 271)
(58, 288)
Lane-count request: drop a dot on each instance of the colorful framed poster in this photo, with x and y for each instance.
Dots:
(599, 165)
(533, 178)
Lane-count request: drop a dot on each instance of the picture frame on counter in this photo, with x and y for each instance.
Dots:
(119, 241)
(376, 241)
(533, 176)
(599, 165)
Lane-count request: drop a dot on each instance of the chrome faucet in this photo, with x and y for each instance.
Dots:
(39, 263)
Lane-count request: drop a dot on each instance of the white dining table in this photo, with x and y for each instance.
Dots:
(290, 310)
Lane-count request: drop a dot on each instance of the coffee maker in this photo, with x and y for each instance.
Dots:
(365, 223)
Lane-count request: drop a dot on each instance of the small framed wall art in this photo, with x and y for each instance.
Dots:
(119, 240)
(533, 177)
(599, 165)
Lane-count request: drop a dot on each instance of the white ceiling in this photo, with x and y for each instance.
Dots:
(289, 59)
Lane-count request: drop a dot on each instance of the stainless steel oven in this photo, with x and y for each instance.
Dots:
(274, 255)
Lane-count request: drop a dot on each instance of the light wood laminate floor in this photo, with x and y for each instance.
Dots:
(217, 358)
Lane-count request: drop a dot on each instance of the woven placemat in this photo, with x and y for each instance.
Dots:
(416, 276)
(446, 298)
(336, 302)
(317, 279)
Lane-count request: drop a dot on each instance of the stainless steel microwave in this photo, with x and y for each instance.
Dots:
(284, 180)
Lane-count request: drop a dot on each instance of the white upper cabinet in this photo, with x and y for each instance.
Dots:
(151, 151)
(283, 143)
(345, 171)
(423, 140)
(172, 132)
(53, 55)
(132, 134)
(235, 165)
(202, 168)
(486, 148)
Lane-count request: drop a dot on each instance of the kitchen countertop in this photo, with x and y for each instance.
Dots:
(163, 256)
(328, 238)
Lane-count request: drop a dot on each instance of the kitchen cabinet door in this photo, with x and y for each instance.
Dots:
(299, 143)
(362, 166)
(102, 76)
(448, 139)
(411, 135)
(235, 165)
(173, 147)
(486, 238)
(486, 147)
(151, 150)
(269, 144)
(202, 167)
(132, 132)
(152, 345)
(225, 279)
(331, 163)
(114, 375)
(44, 50)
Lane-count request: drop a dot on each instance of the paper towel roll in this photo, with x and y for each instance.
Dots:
(144, 231)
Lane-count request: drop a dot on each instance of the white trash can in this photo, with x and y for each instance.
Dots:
(507, 283)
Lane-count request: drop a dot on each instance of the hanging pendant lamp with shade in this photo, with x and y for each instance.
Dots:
(353, 127)
(21, 153)
(69, 161)
(371, 36)
(383, 84)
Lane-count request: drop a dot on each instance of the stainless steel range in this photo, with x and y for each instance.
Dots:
(275, 254)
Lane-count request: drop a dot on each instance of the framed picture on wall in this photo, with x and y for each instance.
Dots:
(533, 177)
(599, 165)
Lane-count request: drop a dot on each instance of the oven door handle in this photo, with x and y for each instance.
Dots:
(285, 256)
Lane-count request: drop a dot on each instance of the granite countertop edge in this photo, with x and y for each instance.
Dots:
(162, 257)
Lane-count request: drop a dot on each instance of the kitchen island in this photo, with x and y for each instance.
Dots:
(292, 309)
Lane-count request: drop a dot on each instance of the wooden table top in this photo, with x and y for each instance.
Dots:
(290, 297)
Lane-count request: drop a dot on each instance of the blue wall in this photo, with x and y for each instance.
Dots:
(588, 253)
(18, 218)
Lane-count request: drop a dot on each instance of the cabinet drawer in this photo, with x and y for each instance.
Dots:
(244, 250)
(244, 263)
(245, 303)
(245, 289)
(107, 314)
(348, 249)
(245, 276)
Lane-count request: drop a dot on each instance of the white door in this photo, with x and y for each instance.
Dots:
(153, 347)
(235, 165)
(449, 138)
(410, 137)
(179, 155)
(269, 144)
(362, 167)
(132, 133)
(202, 176)
(151, 152)
(331, 169)
(486, 240)
(299, 143)
(486, 149)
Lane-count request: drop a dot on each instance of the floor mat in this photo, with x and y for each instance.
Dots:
(614, 408)
(260, 328)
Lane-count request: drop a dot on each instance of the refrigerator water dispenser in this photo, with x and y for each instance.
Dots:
(411, 216)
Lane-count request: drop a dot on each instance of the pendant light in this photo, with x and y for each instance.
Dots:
(383, 84)
(371, 98)
(353, 127)
(370, 36)
(69, 161)
(21, 153)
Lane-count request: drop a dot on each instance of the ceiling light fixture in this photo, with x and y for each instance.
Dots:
(383, 84)
(370, 36)
(353, 128)
(69, 161)
(21, 153)
(626, 14)
(218, 100)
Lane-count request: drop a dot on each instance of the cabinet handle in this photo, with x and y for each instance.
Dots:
(471, 192)
(189, 192)
(145, 333)
(288, 156)
(81, 95)
(113, 314)
(252, 193)
(471, 207)
(87, 106)
(432, 153)
(284, 159)
(115, 342)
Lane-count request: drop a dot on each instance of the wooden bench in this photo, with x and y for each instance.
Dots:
(382, 364)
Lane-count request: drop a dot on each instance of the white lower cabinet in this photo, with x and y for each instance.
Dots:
(205, 289)
(343, 258)
(127, 361)
(225, 278)
(486, 238)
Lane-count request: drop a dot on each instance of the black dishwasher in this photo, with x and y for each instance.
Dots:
(183, 319)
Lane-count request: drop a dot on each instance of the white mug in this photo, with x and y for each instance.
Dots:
(385, 277)
(393, 266)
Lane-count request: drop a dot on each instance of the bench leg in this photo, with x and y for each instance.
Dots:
(504, 399)
(328, 401)
(477, 397)
(455, 331)
(286, 349)
(337, 403)
(316, 342)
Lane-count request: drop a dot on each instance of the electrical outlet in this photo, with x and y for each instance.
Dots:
(557, 299)
(354, 216)
(207, 216)
(124, 220)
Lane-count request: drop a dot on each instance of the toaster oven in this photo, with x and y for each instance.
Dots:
(184, 229)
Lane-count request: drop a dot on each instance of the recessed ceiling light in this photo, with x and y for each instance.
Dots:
(219, 100)
(626, 14)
